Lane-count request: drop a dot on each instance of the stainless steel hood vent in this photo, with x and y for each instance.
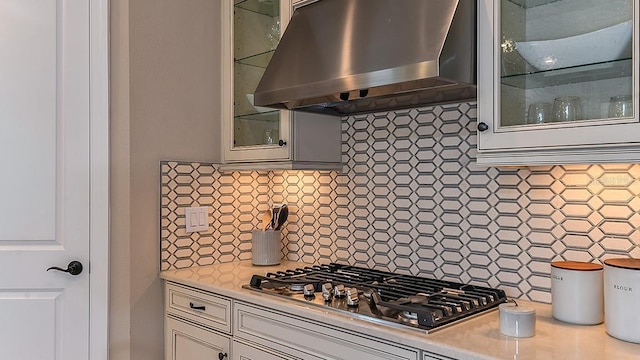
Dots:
(346, 57)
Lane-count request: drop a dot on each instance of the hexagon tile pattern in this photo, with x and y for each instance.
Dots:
(411, 199)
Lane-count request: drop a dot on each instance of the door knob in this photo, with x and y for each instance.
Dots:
(222, 356)
(282, 142)
(74, 268)
(483, 126)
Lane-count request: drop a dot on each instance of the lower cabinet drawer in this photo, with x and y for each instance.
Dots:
(247, 352)
(431, 356)
(301, 338)
(198, 306)
(186, 341)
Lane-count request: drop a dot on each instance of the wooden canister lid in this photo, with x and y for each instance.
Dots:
(625, 263)
(576, 265)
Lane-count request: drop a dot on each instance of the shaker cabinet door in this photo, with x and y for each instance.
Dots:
(185, 341)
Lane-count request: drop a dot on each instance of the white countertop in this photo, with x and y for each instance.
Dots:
(476, 338)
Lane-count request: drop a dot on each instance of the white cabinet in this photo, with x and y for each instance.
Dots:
(257, 138)
(243, 351)
(198, 306)
(197, 324)
(431, 356)
(558, 82)
(304, 339)
(188, 341)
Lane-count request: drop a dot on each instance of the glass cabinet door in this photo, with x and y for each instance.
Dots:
(256, 29)
(565, 63)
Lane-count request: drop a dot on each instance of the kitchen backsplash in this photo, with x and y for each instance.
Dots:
(411, 199)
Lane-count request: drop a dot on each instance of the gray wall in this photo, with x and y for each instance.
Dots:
(165, 91)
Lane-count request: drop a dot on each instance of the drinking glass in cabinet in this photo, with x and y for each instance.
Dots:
(539, 113)
(567, 108)
(620, 106)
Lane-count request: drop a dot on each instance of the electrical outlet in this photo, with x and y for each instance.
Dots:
(196, 219)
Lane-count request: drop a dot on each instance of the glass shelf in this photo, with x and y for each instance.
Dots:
(270, 116)
(575, 74)
(260, 60)
(528, 4)
(264, 7)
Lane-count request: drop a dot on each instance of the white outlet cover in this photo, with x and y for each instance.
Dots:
(196, 219)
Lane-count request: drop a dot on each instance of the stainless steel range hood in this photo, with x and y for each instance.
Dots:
(346, 57)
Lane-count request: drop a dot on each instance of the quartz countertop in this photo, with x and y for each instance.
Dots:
(475, 338)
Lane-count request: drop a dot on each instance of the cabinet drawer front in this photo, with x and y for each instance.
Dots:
(184, 341)
(305, 339)
(431, 356)
(243, 351)
(199, 306)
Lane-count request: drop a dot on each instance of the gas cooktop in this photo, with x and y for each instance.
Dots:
(394, 299)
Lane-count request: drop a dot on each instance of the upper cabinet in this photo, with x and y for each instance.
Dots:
(558, 82)
(259, 138)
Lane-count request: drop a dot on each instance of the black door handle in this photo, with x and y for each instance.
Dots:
(221, 356)
(74, 268)
(196, 307)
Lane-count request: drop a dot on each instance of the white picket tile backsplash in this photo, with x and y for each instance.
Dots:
(411, 199)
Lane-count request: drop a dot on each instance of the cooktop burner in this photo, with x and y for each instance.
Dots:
(403, 300)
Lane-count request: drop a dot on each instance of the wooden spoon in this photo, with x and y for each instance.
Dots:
(266, 220)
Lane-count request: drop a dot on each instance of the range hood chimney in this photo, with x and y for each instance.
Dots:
(346, 57)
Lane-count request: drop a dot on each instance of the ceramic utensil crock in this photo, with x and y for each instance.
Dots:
(577, 293)
(622, 298)
(265, 247)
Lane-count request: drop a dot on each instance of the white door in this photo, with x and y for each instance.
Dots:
(44, 178)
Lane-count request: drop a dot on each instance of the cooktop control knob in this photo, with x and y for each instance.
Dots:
(339, 291)
(352, 297)
(308, 290)
(327, 293)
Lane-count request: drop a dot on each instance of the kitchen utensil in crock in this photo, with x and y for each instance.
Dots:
(274, 217)
(282, 216)
(266, 220)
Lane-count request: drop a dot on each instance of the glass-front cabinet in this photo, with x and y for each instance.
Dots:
(558, 81)
(251, 31)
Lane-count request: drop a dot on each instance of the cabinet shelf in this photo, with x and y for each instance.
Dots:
(269, 116)
(264, 7)
(527, 4)
(260, 60)
(575, 74)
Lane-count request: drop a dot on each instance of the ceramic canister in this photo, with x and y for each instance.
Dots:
(622, 298)
(577, 292)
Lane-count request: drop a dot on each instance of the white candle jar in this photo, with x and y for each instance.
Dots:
(517, 321)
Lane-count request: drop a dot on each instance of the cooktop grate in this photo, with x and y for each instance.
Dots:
(397, 299)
